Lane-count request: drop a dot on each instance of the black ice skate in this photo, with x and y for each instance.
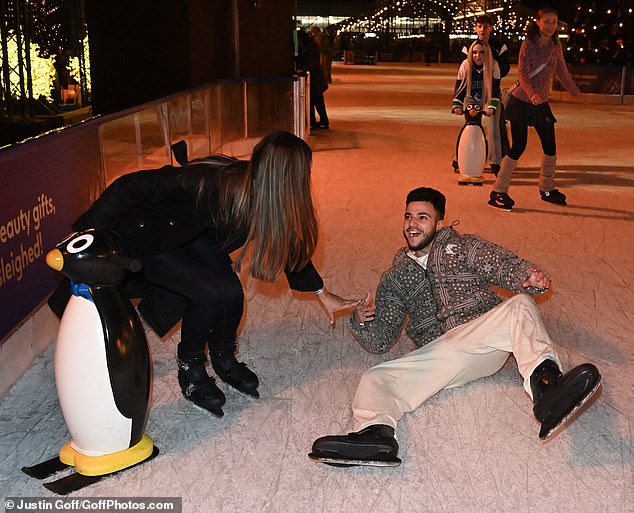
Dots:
(559, 397)
(501, 200)
(197, 386)
(373, 446)
(235, 373)
(555, 196)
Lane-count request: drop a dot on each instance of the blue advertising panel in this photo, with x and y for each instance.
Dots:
(44, 185)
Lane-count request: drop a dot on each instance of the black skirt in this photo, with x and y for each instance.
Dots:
(525, 113)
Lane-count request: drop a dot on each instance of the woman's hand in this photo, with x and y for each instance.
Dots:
(536, 99)
(333, 303)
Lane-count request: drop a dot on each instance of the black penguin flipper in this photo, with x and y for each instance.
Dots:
(58, 300)
(127, 356)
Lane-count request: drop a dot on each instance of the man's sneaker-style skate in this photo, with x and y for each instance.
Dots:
(235, 373)
(555, 196)
(558, 397)
(501, 200)
(372, 446)
(197, 386)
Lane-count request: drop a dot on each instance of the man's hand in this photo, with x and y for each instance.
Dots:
(539, 281)
(364, 311)
(333, 303)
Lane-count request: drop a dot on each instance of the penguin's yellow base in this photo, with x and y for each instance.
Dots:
(476, 180)
(107, 463)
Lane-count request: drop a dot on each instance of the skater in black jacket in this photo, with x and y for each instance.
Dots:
(183, 223)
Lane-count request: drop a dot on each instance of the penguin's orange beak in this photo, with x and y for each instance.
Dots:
(55, 259)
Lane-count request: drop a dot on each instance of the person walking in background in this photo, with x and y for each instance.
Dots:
(541, 57)
(325, 51)
(309, 61)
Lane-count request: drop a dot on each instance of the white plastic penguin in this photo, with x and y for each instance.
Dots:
(471, 147)
(102, 365)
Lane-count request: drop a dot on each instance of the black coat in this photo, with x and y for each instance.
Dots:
(156, 211)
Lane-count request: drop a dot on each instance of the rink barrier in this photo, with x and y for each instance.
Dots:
(48, 180)
(614, 84)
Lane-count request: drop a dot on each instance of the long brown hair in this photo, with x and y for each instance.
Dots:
(271, 202)
(533, 32)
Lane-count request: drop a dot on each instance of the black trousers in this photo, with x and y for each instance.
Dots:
(214, 292)
(519, 137)
(318, 103)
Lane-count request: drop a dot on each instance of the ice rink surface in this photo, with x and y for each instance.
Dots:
(473, 449)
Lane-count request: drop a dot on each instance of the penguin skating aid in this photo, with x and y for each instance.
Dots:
(471, 147)
(102, 366)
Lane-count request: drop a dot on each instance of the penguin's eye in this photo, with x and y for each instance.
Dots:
(80, 243)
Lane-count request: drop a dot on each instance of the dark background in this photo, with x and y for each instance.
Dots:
(140, 50)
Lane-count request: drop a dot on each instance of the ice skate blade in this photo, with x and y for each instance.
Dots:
(503, 209)
(76, 481)
(349, 462)
(254, 393)
(547, 433)
(218, 412)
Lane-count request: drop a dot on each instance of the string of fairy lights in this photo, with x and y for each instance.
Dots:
(38, 54)
(601, 32)
(408, 18)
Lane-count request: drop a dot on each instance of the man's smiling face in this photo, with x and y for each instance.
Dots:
(420, 223)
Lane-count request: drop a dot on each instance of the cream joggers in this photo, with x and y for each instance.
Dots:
(473, 350)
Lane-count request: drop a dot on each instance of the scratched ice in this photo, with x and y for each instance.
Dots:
(472, 449)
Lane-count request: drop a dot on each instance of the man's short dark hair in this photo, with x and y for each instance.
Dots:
(485, 18)
(436, 198)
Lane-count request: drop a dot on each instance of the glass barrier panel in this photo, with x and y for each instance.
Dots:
(135, 141)
(199, 142)
(270, 106)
